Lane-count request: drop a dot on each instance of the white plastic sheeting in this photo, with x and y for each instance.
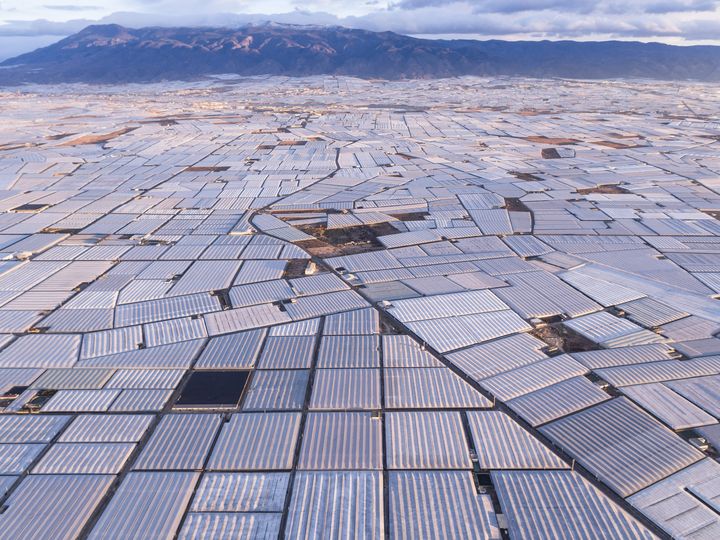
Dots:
(540, 505)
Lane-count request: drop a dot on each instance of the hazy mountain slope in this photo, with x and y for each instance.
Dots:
(111, 53)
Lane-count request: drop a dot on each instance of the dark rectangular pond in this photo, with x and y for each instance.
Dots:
(209, 389)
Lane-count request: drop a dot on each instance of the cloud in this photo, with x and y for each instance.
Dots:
(72, 7)
(679, 6)
(705, 29)
(42, 27)
(417, 4)
(498, 6)
(676, 21)
(567, 6)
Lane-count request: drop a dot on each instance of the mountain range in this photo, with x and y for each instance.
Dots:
(115, 54)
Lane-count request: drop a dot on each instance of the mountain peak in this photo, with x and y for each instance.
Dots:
(107, 30)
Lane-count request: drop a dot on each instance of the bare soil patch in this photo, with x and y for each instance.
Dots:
(560, 337)
(550, 140)
(100, 138)
(607, 189)
(345, 241)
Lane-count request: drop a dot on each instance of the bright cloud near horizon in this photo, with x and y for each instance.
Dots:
(27, 24)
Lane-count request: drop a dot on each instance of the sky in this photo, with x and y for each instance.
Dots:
(28, 24)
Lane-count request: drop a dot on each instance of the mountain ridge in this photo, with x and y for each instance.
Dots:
(116, 54)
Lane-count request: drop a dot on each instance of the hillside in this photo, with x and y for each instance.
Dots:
(114, 54)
